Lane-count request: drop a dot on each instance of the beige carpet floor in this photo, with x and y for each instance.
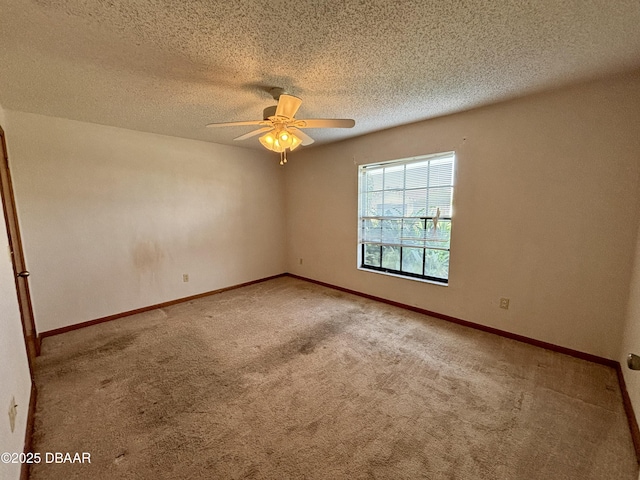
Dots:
(289, 380)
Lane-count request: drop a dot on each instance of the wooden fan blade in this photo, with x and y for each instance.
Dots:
(288, 105)
(239, 124)
(326, 123)
(254, 133)
(305, 139)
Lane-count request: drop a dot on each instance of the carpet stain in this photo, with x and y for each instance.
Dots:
(115, 344)
(307, 348)
(64, 365)
(305, 342)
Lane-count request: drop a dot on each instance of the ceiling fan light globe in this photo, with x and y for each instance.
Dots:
(295, 143)
(284, 138)
(277, 146)
(268, 141)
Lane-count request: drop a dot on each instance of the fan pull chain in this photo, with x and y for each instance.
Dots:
(283, 157)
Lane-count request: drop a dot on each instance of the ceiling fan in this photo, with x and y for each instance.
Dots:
(280, 130)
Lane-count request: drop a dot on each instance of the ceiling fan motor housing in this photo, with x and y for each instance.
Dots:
(269, 112)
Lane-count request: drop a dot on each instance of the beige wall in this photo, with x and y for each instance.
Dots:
(545, 213)
(631, 338)
(112, 218)
(15, 381)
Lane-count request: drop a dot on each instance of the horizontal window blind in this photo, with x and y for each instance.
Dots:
(405, 216)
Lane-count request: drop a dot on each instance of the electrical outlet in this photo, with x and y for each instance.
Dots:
(13, 413)
(504, 303)
(300, 261)
(185, 277)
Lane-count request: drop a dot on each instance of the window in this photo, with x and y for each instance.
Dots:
(405, 216)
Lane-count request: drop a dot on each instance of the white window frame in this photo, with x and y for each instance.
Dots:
(436, 229)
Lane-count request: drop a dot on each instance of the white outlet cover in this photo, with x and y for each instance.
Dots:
(13, 413)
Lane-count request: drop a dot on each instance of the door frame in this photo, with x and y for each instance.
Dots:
(31, 339)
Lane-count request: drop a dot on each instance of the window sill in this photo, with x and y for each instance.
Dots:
(415, 279)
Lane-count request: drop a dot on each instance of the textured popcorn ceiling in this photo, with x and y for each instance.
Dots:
(171, 67)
